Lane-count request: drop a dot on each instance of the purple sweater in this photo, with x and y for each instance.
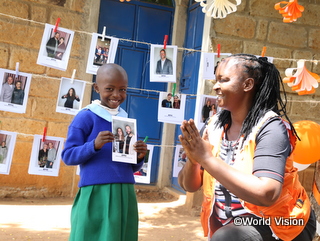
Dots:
(96, 167)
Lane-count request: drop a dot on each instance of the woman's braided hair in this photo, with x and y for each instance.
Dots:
(267, 97)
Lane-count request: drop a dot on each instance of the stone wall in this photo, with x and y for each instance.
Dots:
(22, 27)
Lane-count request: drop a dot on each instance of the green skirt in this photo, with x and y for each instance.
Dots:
(105, 213)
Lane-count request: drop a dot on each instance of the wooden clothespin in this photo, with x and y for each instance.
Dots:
(263, 52)
(17, 69)
(44, 134)
(104, 33)
(73, 74)
(165, 40)
(218, 50)
(56, 25)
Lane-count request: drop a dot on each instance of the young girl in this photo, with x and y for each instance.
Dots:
(70, 98)
(105, 207)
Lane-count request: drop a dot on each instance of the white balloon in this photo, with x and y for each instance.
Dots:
(301, 167)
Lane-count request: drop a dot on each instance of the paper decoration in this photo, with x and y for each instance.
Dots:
(291, 11)
(218, 8)
(303, 81)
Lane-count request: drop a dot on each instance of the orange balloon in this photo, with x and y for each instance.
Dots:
(307, 151)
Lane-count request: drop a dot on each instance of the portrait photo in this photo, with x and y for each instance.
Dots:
(8, 142)
(180, 159)
(125, 135)
(46, 156)
(14, 90)
(163, 63)
(144, 174)
(207, 108)
(102, 51)
(55, 47)
(209, 63)
(171, 108)
(70, 96)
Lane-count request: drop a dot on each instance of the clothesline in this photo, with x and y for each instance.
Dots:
(141, 42)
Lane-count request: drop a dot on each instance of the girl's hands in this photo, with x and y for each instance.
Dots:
(141, 148)
(103, 138)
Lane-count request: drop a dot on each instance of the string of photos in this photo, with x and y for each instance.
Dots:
(55, 52)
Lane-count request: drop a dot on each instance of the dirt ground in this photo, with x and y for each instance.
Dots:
(162, 218)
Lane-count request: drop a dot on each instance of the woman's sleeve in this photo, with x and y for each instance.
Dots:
(272, 150)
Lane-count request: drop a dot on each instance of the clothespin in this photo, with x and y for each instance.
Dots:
(174, 89)
(73, 74)
(165, 40)
(103, 33)
(17, 69)
(264, 49)
(218, 50)
(44, 134)
(146, 139)
(56, 25)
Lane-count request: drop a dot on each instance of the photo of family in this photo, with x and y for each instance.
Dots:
(210, 62)
(171, 107)
(14, 91)
(70, 96)
(8, 142)
(207, 108)
(125, 133)
(46, 155)
(163, 63)
(55, 47)
(102, 50)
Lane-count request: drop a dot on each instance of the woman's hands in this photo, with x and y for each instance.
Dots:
(197, 148)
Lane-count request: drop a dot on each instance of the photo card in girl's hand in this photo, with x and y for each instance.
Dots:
(125, 133)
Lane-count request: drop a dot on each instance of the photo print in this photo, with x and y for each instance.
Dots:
(171, 108)
(55, 47)
(163, 63)
(102, 50)
(143, 175)
(125, 133)
(8, 142)
(70, 96)
(46, 156)
(207, 108)
(180, 159)
(14, 90)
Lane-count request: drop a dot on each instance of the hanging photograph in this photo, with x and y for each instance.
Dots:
(180, 159)
(143, 175)
(102, 50)
(70, 96)
(163, 63)
(46, 156)
(14, 90)
(55, 47)
(8, 142)
(171, 108)
(210, 62)
(125, 132)
(208, 108)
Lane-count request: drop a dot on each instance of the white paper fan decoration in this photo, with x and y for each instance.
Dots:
(218, 8)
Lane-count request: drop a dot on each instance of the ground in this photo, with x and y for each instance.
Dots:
(162, 217)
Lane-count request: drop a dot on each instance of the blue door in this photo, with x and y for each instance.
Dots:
(190, 68)
(135, 22)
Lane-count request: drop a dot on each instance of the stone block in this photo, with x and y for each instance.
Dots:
(263, 8)
(228, 45)
(310, 15)
(38, 13)
(314, 40)
(27, 59)
(289, 35)
(4, 57)
(236, 25)
(15, 8)
(262, 29)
